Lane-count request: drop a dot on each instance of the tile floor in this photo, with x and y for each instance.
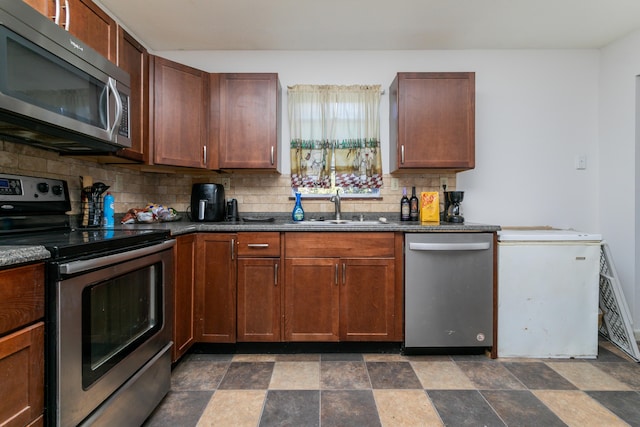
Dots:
(367, 389)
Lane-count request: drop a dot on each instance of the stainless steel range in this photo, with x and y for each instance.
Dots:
(108, 317)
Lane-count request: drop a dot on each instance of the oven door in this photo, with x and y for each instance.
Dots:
(111, 317)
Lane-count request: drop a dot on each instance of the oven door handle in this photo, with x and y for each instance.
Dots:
(74, 267)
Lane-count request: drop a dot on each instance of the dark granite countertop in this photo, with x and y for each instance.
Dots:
(316, 222)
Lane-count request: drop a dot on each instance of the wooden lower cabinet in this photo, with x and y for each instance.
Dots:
(311, 299)
(367, 299)
(22, 376)
(184, 295)
(259, 299)
(343, 297)
(22, 345)
(215, 319)
(259, 287)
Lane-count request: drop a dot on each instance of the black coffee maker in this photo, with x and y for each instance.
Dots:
(452, 200)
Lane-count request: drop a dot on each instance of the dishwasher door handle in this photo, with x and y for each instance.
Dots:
(479, 246)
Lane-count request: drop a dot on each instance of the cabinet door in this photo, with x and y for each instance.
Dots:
(259, 287)
(180, 97)
(184, 295)
(432, 121)
(92, 25)
(311, 299)
(367, 299)
(216, 288)
(45, 7)
(134, 59)
(249, 121)
(22, 374)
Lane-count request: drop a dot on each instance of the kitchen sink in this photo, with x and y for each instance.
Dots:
(344, 222)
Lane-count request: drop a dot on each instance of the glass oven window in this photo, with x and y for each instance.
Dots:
(118, 315)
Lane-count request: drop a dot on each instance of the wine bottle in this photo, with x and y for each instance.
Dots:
(405, 208)
(414, 209)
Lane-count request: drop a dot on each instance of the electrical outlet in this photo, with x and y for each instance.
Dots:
(444, 181)
(226, 183)
(394, 183)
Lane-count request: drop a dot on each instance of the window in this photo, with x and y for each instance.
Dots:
(335, 140)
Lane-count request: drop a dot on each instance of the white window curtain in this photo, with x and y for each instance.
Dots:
(335, 137)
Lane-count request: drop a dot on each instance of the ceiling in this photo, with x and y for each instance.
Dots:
(375, 24)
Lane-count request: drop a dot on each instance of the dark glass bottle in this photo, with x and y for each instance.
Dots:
(414, 207)
(405, 208)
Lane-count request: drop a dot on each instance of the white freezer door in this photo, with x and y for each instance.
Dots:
(548, 300)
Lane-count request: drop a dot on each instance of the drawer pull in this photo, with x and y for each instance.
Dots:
(275, 275)
(258, 245)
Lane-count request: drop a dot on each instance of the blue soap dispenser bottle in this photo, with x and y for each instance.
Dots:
(298, 212)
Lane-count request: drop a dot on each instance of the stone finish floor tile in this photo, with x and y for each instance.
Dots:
(344, 376)
(587, 376)
(291, 408)
(247, 375)
(625, 372)
(397, 375)
(181, 408)
(197, 375)
(576, 408)
(348, 408)
(441, 376)
(238, 408)
(368, 389)
(463, 408)
(295, 376)
(405, 408)
(487, 376)
(521, 408)
(625, 404)
(538, 376)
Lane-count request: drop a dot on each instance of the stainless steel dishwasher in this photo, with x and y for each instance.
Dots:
(448, 290)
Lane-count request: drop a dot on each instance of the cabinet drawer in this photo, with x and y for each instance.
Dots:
(21, 296)
(259, 244)
(339, 244)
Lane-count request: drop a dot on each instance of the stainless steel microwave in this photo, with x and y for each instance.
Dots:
(55, 91)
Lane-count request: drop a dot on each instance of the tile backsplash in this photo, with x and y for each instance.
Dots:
(133, 188)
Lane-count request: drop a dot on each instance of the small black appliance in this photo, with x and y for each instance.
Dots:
(207, 203)
(452, 200)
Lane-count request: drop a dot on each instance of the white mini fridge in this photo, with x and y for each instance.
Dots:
(548, 292)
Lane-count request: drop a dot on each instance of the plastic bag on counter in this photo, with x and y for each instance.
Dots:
(151, 213)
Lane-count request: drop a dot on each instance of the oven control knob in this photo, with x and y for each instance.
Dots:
(43, 187)
(57, 190)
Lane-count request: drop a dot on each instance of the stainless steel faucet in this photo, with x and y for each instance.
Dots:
(336, 200)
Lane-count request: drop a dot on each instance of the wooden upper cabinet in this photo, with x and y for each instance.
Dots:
(45, 7)
(134, 59)
(83, 19)
(249, 121)
(180, 101)
(432, 121)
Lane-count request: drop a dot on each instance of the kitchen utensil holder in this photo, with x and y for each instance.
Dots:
(91, 208)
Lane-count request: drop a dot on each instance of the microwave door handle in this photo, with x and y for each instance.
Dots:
(56, 17)
(116, 95)
(68, 15)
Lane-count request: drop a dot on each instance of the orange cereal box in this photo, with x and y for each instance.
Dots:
(429, 206)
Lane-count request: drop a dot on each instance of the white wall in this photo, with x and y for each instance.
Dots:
(535, 111)
(619, 180)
